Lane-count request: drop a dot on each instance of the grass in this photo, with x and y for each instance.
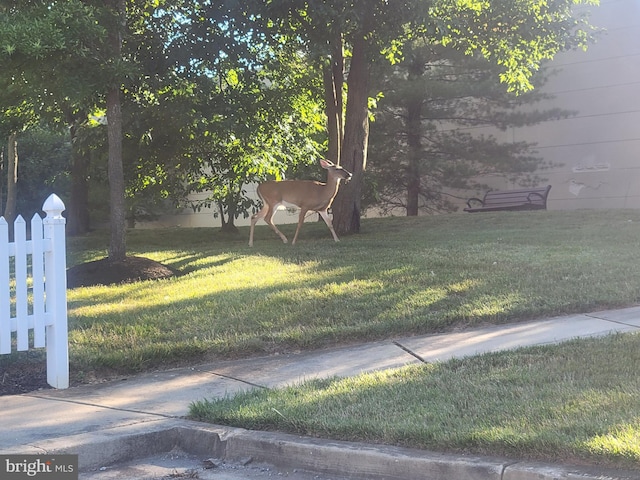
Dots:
(398, 277)
(578, 402)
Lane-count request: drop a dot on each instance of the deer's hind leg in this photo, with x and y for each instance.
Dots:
(268, 218)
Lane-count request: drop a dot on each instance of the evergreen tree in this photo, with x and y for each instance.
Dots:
(423, 142)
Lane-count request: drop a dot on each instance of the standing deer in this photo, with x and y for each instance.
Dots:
(308, 195)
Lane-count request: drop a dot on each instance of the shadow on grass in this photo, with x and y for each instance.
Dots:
(398, 277)
(579, 404)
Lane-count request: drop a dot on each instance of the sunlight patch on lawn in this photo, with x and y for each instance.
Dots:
(464, 286)
(622, 441)
(489, 306)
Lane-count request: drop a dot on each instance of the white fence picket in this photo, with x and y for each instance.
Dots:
(37, 273)
(5, 292)
(41, 308)
(20, 277)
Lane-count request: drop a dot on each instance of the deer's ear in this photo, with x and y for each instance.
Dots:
(325, 163)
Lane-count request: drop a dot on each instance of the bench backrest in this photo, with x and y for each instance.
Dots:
(535, 196)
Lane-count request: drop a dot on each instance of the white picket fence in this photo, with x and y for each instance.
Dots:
(33, 289)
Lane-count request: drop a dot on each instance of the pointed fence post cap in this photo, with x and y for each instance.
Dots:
(53, 206)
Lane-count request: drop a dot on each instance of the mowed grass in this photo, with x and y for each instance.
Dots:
(399, 276)
(576, 403)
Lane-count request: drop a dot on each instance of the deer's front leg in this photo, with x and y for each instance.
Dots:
(327, 219)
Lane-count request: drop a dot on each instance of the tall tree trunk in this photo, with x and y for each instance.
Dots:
(78, 208)
(117, 212)
(346, 206)
(11, 207)
(414, 144)
(413, 194)
(228, 224)
(333, 79)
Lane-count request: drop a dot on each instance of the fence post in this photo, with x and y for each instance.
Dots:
(56, 293)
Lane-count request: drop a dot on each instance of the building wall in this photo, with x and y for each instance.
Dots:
(598, 148)
(206, 218)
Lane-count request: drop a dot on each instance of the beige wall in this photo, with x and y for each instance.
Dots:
(599, 147)
(205, 217)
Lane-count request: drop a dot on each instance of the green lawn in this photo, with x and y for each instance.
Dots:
(578, 402)
(398, 276)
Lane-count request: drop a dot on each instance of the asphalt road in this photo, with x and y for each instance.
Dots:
(181, 465)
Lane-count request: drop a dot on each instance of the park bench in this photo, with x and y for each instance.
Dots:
(523, 199)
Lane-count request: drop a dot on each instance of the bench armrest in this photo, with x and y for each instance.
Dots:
(539, 195)
(474, 199)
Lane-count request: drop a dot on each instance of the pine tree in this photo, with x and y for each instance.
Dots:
(423, 144)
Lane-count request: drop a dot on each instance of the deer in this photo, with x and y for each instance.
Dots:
(307, 195)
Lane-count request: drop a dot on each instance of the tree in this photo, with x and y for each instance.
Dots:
(78, 220)
(17, 115)
(11, 205)
(422, 145)
(237, 106)
(117, 224)
(329, 29)
(75, 53)
(43, 167)
(516, 35)
(262, 135)
(51, 51)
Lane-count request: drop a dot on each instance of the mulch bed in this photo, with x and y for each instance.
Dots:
(104, 272)
(17, 378)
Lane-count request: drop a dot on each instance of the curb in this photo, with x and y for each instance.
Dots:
(346, 459)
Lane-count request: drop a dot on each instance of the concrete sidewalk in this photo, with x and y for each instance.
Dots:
(143, 416)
